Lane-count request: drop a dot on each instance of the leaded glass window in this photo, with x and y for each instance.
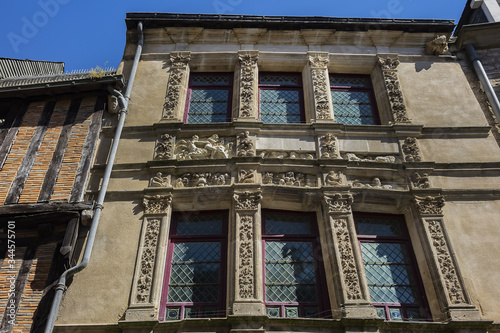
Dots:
(280, 100)
(393, 280)
(353, 100)
(209, 98)
(293, 283)
(194, 285)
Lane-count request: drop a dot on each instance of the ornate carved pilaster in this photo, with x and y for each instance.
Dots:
(247, 298)
(410, 149)
(247, 96)
(148, 256)
(350, 282)
(450, 288)
(318, 63)
(398, 107)
(177, 85)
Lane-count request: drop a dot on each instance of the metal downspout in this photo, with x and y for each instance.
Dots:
(123, 102)
(483, 78)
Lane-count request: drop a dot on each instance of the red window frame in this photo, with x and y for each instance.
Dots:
(298, 87)
(368, 89)
(323, 302)
(404, 239)
(173, 239)
(192, 86)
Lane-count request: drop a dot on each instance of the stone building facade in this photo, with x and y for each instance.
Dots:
(294, 174)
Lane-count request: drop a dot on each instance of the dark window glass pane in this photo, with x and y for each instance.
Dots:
(208, 106)
(287, 224)
(210, 80)
(382, 227)
(290, 275)
(195, 272)
(357, 82)
(206, 224)
(282, 80)
(279, 106)
(352, 107)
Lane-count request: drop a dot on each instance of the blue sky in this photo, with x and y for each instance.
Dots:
(89, 33)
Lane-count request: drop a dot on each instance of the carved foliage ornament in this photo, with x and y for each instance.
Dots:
(320, 86)
(246, 254)
(339, 203)
(148, 257)
(178, 67)
(164, 147)
(248, 63)
(398, 107)
(411, 151)
(430, 205)
(247, 200)
(347, 261)
(157, 204)
(446, 264)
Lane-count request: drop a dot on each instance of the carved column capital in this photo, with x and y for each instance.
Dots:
(318, 59)
(338, 203)
(247, 200)
(180, 59)
(429, 205)
(157, 204)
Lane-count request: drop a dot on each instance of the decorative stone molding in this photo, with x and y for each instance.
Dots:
(246, 257)
(159, 180)
(247, 200)
(321, 90)
(338, 203)
(420, 181)
(447, 268)
(244, 145)
(376, 183)
(437, 46)
(148, 257)
(328, 147)
(246, 176)
(289, 178)
(352, 290)
(178, 72)
(281, 154)
(382, 159)
(430, 205)
(411, 151)
(195, 148)
(157, 204)
(248, 68)
(334, 178)
(389, 71)
(164, 149)
(201, 179)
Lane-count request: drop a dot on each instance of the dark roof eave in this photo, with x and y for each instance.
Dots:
(158, 20)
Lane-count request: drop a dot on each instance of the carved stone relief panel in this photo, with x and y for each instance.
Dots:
(247, 200)
(164, 148)
(246, 176)
(382, 159)
(410, 150)
(246, 257)
(178, 75)
(289, 178)
(196, 148)
(420, 180)
(328, 147)
(245, 145)
(447, 268)
(343, 242)
(159, 180)
(248, 69)
(334, 178)
(282, 154)
(338, 203)
(319, 73)
(374, 183)
(398, 107)
(430, 205)
(157, 204)
(200, 179)
(147, 264)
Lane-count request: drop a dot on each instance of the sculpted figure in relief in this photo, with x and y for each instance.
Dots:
(196, 148)
(159, 181)
(246, 176)
(333, 178)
